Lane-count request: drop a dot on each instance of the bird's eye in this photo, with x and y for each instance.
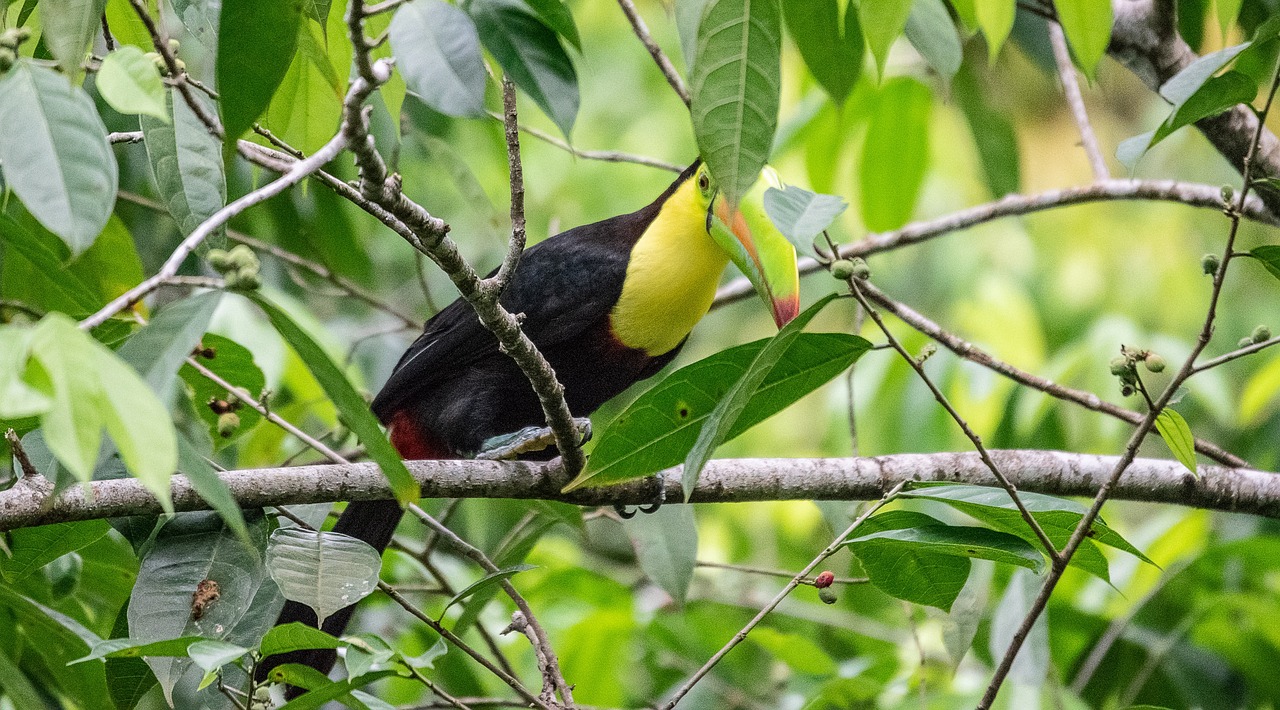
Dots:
(704, 182)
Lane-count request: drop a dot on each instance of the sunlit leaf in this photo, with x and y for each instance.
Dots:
(832, 53)
(802, 215)
(933, 34)
(895, 156)
(995, 19)
(882, 23)
(130, 82)
(1087, 25)
(1177, 435)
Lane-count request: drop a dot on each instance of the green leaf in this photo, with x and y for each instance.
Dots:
(735, 87)
(69, 26)
(187, 164)
(1177, 435)
(93, 388)
(1188, 81)
(18, 398)
(256, 42)
(130, 83)
(802, 215)
(136, 648)
(555, 14)
(733, 403)
(351, 406)
(54, 153)
(200, 17)
(489, 580)
(993, 134)
(17, 686)
(437, 50)
(1087, 25)
(919, 574)
(59, 641)
(531, 54)
(233, 363)
(882, 22)
(1228, 10)
(34, 548)
(296, 636)
(661, 425)
(1216, 95)
(330, 690)
(41, 267)
(796, 650)
(959, 541)
(688, 17)
(933, 34)
(211, 654)
(995, 19)
(327, 571)
(896, 154)
(158, 350)
(666, 545)
(306, 109)
(832, 54)
(1269, 256)
(211, 487)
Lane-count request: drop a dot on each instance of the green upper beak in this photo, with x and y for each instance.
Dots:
(758, 249)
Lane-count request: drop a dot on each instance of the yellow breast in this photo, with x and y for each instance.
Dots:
(671, 277)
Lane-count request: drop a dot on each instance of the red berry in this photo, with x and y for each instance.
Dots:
(824, 580)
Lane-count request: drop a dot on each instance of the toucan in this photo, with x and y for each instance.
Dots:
(608, 304)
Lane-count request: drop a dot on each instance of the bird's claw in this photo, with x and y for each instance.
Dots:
(625, 512)
(527, 440)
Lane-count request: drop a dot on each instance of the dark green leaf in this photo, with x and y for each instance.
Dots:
(1269, 256)
(959, 541)
(917, 574)
(531, 54)
(1087, 25)
(724, 418)
(233, 363)
(438, 51)
(993, 134)
(329, 691)
(327, 571)
(1216, 95)
(59, 641)
(296, 637)
(256, 42)
(882, 23)
(351, 406)
(735, 87)
(896, 154)
(130, 83)
(211, 487)
(660, 427)
(54, 153)
(62, 289)
(159, 348)
(1177, 435)
(933, 34)
(833, 56)
(666, 545)
(555, 14)
(802, 215)
(187, 164)
(34, 548)
(17, 686)
(489, 580)
(69, 26)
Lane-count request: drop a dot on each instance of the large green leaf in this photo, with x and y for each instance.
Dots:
(883, 22)
(256, 42)
(933, 34)
(724, 418)
(69, 26)
(735, 87)
(295, 637)
(666, 545)
(158, 350)
(993, 134)
(186, 162)
(59, 640)
(660, 427)
(917, 574)
(130, 83)
(327, 571)
(307, 108)
(234, 363)
(30, 262)
(895, 156)
(531, 54)
(555, 14)
(54, 153)
(34, 548)
(1087, 25)
(437, 50)
(833, 54)
(351, 406)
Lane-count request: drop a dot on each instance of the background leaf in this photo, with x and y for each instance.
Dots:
(438, 50)
(327, 571)
(666, 545)
(1087, 25)
(69, 26)
(832, 53)
(882, 23)
(1177, 435)
(896, 154)
(933, 34)
(256, 42)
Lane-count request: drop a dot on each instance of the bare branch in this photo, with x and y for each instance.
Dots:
(664, 64)
(125, 137)
(176, 75)
(606, 156)
(1075, 101)
(515, 245)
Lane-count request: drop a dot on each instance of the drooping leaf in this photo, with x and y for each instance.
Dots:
(896, 154)
(919, 575)
(54, 153)
(212, 654)
(295, 637)
(213, 489)
(735, 88)
(69, 26)
(1087, 25)
(933, 34)
(724, 418)
(1217, 94)
(61, 640)
(130, 83)
(555, 14)
(352, 407)
(666, 545)
(200, 17)
(531, 54)
(1032, 662)
(18, 398)
(41, 268)
(833, 54)
(158, 350)
(882, 23)
(137, 648)
(688, 16)
(126, 27)
(306, 109)
(661, 426)
(1177, 435)
(186, 162)
(256, 42)
(995, 19)
(489, 580)
(1269, 256)
(438, 50)
(33, 548)
(327, 571)
(993, 134)
(802, 215)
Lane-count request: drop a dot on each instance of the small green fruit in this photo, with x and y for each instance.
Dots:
(861, 271)
(247, 279)
(1209, 264)
(828, 595)
(1261, 334)
(842, 269)
(220, 260)
(173, 46)
(227, 424)
(1154, 362)
(1228, 194)
(242, 257)
(1120, 366)
(1245, 342)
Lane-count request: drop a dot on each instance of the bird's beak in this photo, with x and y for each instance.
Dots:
(758, 249)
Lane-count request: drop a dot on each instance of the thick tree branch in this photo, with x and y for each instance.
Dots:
(725, 481)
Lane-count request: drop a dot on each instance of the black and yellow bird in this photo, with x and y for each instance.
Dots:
(608, 304)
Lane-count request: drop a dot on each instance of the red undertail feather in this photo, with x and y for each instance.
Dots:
(412, 442)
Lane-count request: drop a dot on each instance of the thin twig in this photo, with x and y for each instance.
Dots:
(515, 245)
(1235, 354)
(1071, 88)
(748, 569)
(1148, 423)
(777, 599)
(179, 77)
(664, 64)
(607, 156)
(20, 453)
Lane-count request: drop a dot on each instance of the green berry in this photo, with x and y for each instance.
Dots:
(242, 257)
(1209, 263)
(247, 279)
(227, 424)
(1154, 362)
(1120, 366)
(23, 34)
(8, 58)
(220, 260)
(1245, 342)
(173, 46)
(1126, 391)
(861, 271)
(827, 595)
(1228, 194)
(842, 269)
(1261, 333)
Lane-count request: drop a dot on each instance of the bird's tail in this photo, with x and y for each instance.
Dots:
(373, 521)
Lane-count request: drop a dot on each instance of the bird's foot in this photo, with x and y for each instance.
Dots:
(527, 440)
(626, 513)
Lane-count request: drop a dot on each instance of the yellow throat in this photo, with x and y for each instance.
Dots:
(672, 277)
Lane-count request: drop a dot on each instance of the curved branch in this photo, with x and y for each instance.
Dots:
(724, 481)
